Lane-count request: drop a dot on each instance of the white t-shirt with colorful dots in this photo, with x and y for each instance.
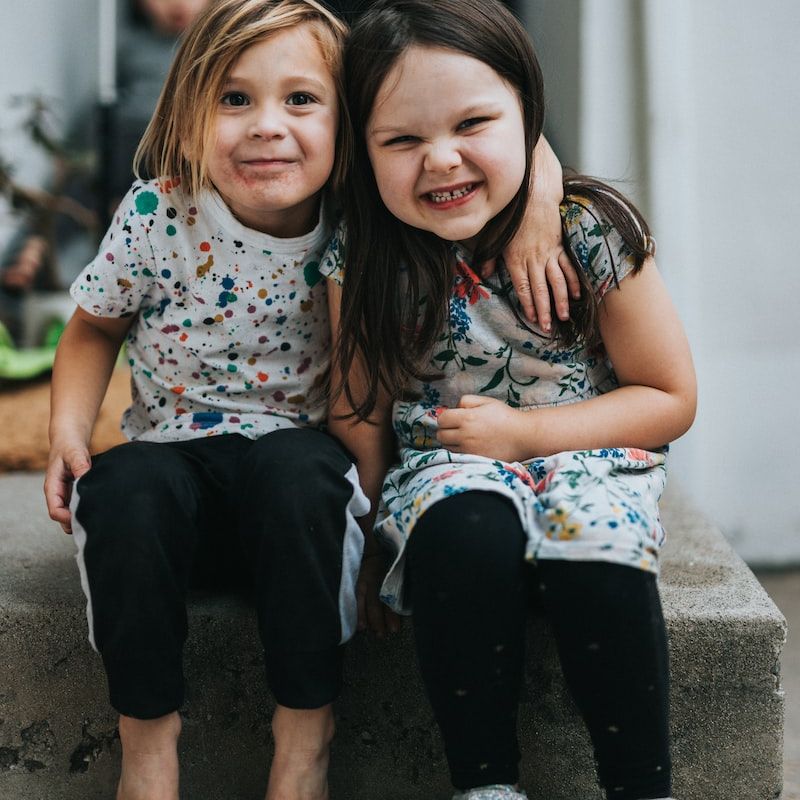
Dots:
(231, 332)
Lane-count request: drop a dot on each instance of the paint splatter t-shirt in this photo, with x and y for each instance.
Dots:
(231, 331)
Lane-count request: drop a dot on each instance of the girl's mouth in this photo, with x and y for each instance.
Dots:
(451, 197)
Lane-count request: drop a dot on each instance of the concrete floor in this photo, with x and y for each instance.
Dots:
(784, 589)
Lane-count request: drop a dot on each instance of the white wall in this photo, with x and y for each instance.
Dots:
(699, 104)
(49, 48)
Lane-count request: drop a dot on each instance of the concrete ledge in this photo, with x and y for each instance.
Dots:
(58, 739)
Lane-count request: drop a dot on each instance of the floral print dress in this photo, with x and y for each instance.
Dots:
(591, 505)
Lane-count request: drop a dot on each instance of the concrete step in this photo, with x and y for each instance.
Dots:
(58, 739)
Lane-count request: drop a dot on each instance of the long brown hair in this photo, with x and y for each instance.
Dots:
(398, 278)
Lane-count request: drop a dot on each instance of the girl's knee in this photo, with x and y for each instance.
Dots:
(475, 525)
(122, 471)
(130, 490)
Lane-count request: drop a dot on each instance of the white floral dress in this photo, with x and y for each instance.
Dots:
(591, 505)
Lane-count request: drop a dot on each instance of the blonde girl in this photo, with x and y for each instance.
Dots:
(209, 274)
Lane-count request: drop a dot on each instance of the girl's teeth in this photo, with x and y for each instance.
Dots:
(443, 197)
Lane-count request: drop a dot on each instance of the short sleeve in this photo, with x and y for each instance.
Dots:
(331, 264)
(597, 246)
(123, 273)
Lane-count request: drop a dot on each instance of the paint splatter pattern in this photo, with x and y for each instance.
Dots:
(230, 331)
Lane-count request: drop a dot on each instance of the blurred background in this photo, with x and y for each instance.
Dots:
(690, 107)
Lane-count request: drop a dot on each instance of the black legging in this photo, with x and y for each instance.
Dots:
(470, 587)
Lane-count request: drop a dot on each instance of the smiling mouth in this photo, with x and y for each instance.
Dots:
(440, 197)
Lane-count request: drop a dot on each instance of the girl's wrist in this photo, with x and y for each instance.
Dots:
(526, 433)
(62, 435)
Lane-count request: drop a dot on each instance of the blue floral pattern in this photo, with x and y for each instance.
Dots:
(592, 505)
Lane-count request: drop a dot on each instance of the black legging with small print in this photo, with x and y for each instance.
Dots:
(470, 589)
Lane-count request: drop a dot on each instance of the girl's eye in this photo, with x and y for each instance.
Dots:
(400, 140)
(300, 99)
(471, 123)
(235, 99)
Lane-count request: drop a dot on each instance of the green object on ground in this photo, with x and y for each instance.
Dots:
(22, 365)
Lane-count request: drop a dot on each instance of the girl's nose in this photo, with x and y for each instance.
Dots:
(267, 123)
(442, 156)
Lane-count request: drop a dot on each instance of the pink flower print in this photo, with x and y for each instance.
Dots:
(544, 482)
(522, 474)
(443, 476)
(635, 454)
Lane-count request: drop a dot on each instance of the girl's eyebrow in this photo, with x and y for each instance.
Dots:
(304, 80)
(476, 109)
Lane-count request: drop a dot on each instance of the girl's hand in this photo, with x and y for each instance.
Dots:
(536, 259)
(534, 263)
(483, 426)
(68, 462)
(372, 613)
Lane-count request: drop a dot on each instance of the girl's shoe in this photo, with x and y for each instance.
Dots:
(496, 792)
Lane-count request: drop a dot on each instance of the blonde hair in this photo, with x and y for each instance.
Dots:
(181, 131)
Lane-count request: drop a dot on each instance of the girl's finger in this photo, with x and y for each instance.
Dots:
(570, 274)
(558, 286)
(541, 300)
(448, 439)
(474, 400)
(375, 616)
(488, 268)
(393, 621)
(448, 418)
(522, 288)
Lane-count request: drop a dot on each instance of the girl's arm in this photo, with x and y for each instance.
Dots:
(84, 360)
(372, 446)
(654, 405)
(536, 258)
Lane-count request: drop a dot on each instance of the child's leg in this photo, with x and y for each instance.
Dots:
(466, 575)
(149, 758)
(611, 638)
(298, 493)
(135, 528)
(302, 748)
(136, 532)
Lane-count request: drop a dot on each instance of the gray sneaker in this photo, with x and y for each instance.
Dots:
(496, 792)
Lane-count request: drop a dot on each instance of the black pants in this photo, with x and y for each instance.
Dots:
(272, 515)
(470, 589)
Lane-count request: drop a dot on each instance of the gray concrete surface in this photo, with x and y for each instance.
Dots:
(784, 588)
(58, 738)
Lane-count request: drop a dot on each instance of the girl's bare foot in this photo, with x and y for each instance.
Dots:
(302, 751)
(149, 758)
